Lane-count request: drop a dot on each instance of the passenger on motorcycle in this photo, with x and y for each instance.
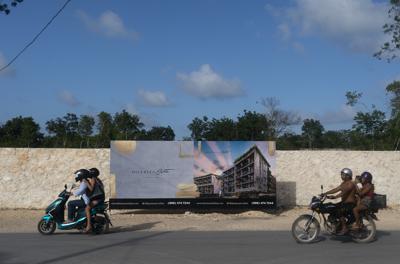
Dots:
(366, 193)
(97, 194)
(80, 176)
(346, 191)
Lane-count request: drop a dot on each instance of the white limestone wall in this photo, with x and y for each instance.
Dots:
(303, 173)
(32, 178)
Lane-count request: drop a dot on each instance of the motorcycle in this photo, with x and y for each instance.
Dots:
(306, 228)
(54, 217)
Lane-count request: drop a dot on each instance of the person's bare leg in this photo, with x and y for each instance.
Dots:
(88, 219)
(344, 227)
(356, 212)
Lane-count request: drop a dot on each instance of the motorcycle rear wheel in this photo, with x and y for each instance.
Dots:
(46, 227)
(100, 225)
(305, 229)
(367, 233)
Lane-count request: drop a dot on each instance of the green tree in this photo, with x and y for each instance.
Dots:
(391, 48)
(57, 129)
(85, 128)
(159, 133)
(371, 125)
(289, 141)
(221, 129)
(312, 132)
(199, 128)
(64, 130)
(71, 125)
(127, 125)
(252, 126)
(105, 129)
(20, 132)
(336, 139)
(6, 7)
(279, 120)
(393, 89)
(353, 97)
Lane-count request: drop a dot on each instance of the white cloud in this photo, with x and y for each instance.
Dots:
(343, 115)
(68, 98)
(285, 31)
(297, 46)
(7, 71)
(205, 83)
(108, 24)
(354, 24)
(148, 119)
(154, 98)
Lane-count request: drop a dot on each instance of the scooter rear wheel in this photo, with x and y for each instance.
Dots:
(46, 227)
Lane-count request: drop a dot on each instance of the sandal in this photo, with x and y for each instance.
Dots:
(87, 231)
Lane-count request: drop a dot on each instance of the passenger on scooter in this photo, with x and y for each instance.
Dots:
(73, 206)
(365, 195)
(346, 191)
(97, 194)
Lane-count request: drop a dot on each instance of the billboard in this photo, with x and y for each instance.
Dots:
(194, 169)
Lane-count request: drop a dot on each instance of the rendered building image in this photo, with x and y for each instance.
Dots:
(250, 175)
(208, 184)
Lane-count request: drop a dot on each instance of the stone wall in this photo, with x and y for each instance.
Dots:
(31, 178)
(300, 174)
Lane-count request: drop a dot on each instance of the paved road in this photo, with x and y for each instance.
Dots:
(127, 246)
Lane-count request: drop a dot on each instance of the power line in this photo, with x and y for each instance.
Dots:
(36, 37)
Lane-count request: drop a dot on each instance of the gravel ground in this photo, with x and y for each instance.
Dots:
(25, 221)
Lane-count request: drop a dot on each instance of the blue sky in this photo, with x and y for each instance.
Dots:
(170, 61)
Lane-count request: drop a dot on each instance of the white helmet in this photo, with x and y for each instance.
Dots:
(346, 173)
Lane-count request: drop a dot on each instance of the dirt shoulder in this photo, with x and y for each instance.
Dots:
(21, 221)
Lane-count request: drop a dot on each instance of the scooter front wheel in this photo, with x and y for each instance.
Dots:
(46, 227)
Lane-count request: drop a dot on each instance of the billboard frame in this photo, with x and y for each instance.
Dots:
(267, 202)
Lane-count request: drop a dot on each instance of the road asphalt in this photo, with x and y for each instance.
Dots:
(130, 245)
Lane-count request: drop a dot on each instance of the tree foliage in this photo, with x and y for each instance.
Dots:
(20, 132)
(279, 120)
(5, 8)
(390, 49)
(312, 131)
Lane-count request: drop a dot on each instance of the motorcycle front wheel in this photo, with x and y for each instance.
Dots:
(305, 229)
(46, 227)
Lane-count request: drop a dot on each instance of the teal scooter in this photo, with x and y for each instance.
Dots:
(54, 217)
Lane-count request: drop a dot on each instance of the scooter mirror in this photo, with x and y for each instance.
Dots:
(65, 186)
(322, 188)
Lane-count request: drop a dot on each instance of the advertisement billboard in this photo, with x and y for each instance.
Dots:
(195, 171)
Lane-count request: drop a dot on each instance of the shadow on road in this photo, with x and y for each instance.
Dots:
(122, 229)
(348, 239)
(96, 249)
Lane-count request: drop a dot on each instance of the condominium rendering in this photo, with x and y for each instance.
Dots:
(209, 184)
(250, 175)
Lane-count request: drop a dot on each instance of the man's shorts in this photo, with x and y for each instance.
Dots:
(346, 209)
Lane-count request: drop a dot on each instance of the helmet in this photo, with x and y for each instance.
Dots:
(366, 176)
(346, 173)
(94, 172)
(81, 174)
